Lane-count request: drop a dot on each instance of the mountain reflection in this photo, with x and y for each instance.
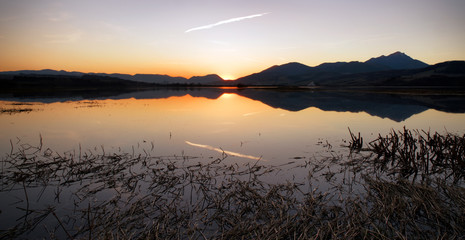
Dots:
(397, 107)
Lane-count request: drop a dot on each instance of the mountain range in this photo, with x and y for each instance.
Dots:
(395, 70)
(144, 78)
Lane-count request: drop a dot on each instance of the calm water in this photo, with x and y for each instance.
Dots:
(249, 124)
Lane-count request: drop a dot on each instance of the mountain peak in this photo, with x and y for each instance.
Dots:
(206, 79)
(289, 68)
(398, 53)
(397, 60)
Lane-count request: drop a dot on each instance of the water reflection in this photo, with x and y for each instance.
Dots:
(226, 152)
(192, 147)
(397, 107)
(270, 124)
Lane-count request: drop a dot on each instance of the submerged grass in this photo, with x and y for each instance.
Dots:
(15, 110)
(417, 154)
(128, 196)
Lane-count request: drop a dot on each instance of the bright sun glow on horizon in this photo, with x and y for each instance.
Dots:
(229, 38)
(227, 77)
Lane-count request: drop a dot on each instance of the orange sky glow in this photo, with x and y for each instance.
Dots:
(231, 39)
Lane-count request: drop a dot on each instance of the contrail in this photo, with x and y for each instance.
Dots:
(222, 151)
(225, 22)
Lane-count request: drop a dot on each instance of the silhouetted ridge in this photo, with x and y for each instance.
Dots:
(449, 74)
(145, 78)
(208, 79)
(292, 68)
(451, 67)
(396, 69)
(350, 67)
(52, 82)
(397, 60)
(277, 75)
(158, 78)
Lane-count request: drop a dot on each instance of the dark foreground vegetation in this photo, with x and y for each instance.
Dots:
(407, 185)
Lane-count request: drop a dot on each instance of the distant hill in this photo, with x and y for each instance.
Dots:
(277, 75)
(56, 82)
(156, 78)
(212, 79)
(397, 60)
(299, 74)
(351, 67)
(446, 74)
(396, 69)
(49, 72)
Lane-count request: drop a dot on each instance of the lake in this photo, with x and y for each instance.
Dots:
(241, 127)
(268, 124)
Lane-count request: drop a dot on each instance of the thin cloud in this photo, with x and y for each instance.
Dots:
(225, 22)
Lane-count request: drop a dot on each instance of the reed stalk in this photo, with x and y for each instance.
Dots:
(408, 184)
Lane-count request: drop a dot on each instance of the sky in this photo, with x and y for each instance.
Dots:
(230, 38)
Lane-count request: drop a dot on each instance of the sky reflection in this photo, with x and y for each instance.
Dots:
(243, 128)
(224, 151)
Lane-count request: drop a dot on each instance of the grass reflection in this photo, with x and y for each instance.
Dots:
(138, 196)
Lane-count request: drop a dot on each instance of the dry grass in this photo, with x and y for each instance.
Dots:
(15, 110)
(417, 154)
(127, 196)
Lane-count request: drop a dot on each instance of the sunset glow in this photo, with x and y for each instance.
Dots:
(229, 38)
(227, 77)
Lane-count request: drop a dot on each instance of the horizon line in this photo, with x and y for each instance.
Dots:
(110, 73)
